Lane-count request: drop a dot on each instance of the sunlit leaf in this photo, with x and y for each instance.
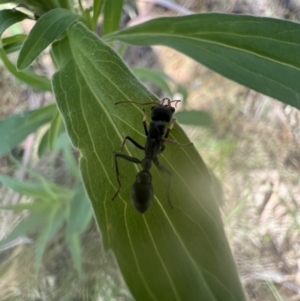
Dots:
(165, 254)
(260, 53)
(48, 28)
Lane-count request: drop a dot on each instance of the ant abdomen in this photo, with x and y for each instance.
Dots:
(142, 191)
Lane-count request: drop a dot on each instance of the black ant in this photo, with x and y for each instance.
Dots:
(142, 190)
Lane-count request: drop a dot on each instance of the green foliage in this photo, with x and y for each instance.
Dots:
(14, 129)
(260, 53)
(162, 230)
(165, 254)
(52, 207)
(47, 29)
(112, 15)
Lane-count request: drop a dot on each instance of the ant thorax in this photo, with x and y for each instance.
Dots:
(156, 129)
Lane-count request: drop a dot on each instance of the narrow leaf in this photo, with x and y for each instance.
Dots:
(157, 77)
(260, 53)
(96, 11)
(31, 189)
(54, 130)
(14, 43)
(112, 15)
(165, 254)
(26, 206)
(31, 223)
(14, 129)
(35, 81)
(41, 190)
(42, 113)
(9, 17)
(54, 219)
(48, 28)
(44, 144)
(74, 245)
(80, 213)
(193, 117)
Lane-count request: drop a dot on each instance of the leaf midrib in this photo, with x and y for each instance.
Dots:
(171, 35)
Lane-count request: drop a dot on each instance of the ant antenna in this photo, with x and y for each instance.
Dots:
(139, 103)
(169, 101)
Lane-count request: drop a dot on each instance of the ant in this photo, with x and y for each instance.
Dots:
(142, 190)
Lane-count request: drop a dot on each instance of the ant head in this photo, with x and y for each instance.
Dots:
(142, 191)
(164, 113)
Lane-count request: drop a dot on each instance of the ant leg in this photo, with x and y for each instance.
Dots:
(163, 169)
(170, 128)
(145, 123)
(128, 158)
(132, 141)
(176, 142)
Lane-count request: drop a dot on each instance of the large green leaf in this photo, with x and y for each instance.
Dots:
(14, 129)
(260, 53)
(164, 254)
(48, 28)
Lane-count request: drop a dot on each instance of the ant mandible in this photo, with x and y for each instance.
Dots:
(142, 190)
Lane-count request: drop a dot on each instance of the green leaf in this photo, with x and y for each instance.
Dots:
(31, 223)
(14, 43)
(75, 250)
(9, 17)
(112, 15)
(165, 254)
(96, 11)
(193, 117)
(35, 81)
(78, 220)
(80, 213)
(54, 130)
(42, 113)
(54, 218)
(14, 129)
(260, 53)
(48, 28)
(38, 190)
(31, 189)
(25, 206)
(44, 144)
(157, 77)
(49, 138)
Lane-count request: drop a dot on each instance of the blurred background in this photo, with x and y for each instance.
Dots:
(249, 141)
